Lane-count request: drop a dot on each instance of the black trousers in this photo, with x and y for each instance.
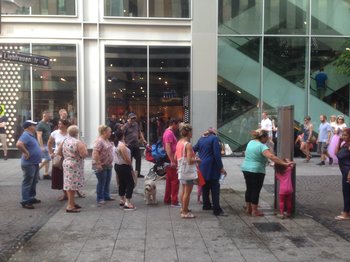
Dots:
(136, 153)
(126, 182)
(254, 183)
(212, 186)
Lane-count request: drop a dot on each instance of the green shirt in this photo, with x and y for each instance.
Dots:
(44, 127)
(254, 160)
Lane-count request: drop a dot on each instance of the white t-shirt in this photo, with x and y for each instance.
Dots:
(58, 137)
(266, 124)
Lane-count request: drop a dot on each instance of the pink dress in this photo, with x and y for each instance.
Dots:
(73, 165)
(285, 179)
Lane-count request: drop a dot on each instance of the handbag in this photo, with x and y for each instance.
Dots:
(313, 139)
(184, 169)
(57, 161)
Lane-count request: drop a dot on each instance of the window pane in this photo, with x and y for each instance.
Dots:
(329, 16)
(286, 16)
(14, 93)
(169, 8)
(126, 83)
(238, 89)
(39, 7)
(325, 53)
(56, 88)
(240, 16)
(132, 8)
(169, 89)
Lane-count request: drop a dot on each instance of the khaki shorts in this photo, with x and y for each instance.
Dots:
(3, 141)
(322, 147)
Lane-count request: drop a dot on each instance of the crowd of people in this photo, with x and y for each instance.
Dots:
(118, 146)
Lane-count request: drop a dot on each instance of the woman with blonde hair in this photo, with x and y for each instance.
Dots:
(102, 163)
(187, 171)
(253, 167)
(74, 151)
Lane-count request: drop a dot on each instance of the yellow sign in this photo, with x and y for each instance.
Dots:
(2, 110)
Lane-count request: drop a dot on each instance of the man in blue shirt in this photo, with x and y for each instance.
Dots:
(323, 140)
(321, 79)
(31, 158)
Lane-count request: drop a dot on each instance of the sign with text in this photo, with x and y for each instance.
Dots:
(24, 58)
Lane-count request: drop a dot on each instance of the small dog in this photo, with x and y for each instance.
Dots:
(150, 192)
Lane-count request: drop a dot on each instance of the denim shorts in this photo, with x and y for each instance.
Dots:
(45, 154)
(187, 182)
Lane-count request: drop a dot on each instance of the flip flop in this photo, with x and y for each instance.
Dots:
(188, 215)
(76, 206)
(342, 217)
(257, 214)
(73, 210)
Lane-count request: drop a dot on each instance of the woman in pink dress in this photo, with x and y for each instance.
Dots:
(74, 151)
(337, 131)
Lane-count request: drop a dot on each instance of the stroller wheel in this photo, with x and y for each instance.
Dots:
(151, 175)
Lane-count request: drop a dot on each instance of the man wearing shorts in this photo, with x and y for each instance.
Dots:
(323, 140)
(43, 132)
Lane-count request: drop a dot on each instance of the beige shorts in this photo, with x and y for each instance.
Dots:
(3, 141)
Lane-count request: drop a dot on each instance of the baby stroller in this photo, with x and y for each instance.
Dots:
(157, 155)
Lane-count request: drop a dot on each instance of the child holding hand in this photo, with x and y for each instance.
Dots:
(284, 176)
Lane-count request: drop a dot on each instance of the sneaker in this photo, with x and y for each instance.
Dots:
(101, 203)
(35, 201)
(330, 161)
(176, 205)
(47, 177)
(28, 206)
(322, 163)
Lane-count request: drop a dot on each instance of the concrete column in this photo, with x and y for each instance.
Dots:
(204, 66)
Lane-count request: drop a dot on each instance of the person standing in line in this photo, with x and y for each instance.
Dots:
(307, 130)
(323, 140)
(132, 136)
(337, 133)
(43, 133)
(73, 151)
(3, 137)
(211, 166)
(172, 181)
(102, 164)
(253, 168)
(30, 160)
(266, 124)
(56, 138)
(321, 79)
(123, 169)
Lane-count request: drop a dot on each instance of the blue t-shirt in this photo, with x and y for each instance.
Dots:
(321, 80)
(33, 147)
(254, 160)
(323, 132)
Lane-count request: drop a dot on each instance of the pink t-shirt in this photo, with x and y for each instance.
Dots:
(285, 180)
(169, 137)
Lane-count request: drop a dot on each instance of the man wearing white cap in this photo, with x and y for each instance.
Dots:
(31, 158)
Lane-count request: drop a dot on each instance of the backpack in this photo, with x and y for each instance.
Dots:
(158, 151)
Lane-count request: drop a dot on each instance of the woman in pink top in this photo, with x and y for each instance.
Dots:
(284, 176)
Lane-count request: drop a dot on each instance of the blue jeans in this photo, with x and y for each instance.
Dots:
(30, 179)
(104, 181)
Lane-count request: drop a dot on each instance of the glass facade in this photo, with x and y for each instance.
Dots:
(269, 55)
(148, 8)
(39, 7)
(151, 81)
(26, 91)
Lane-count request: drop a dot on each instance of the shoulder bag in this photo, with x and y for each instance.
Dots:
(185, 170)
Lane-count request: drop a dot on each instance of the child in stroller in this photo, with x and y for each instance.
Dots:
(160, 161)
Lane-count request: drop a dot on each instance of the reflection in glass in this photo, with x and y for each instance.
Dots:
(126, 83)
(329, 16)
(14, 93)
(324, 53)
(169, 8)
(38, 7)
(238, 89)
(240, 16)
(56, 88)
(286, 17)
(132, 8)
(169, 89)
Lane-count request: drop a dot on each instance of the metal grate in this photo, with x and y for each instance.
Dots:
(269, 227)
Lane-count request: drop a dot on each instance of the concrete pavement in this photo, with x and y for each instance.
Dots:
(157, 233)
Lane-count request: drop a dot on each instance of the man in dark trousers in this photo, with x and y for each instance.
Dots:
(31, 158)
(132, 137)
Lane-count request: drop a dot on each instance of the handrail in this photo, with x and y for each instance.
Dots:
(229, 139)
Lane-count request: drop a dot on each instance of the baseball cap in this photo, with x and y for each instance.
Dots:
(131, 115)
(29, 123)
